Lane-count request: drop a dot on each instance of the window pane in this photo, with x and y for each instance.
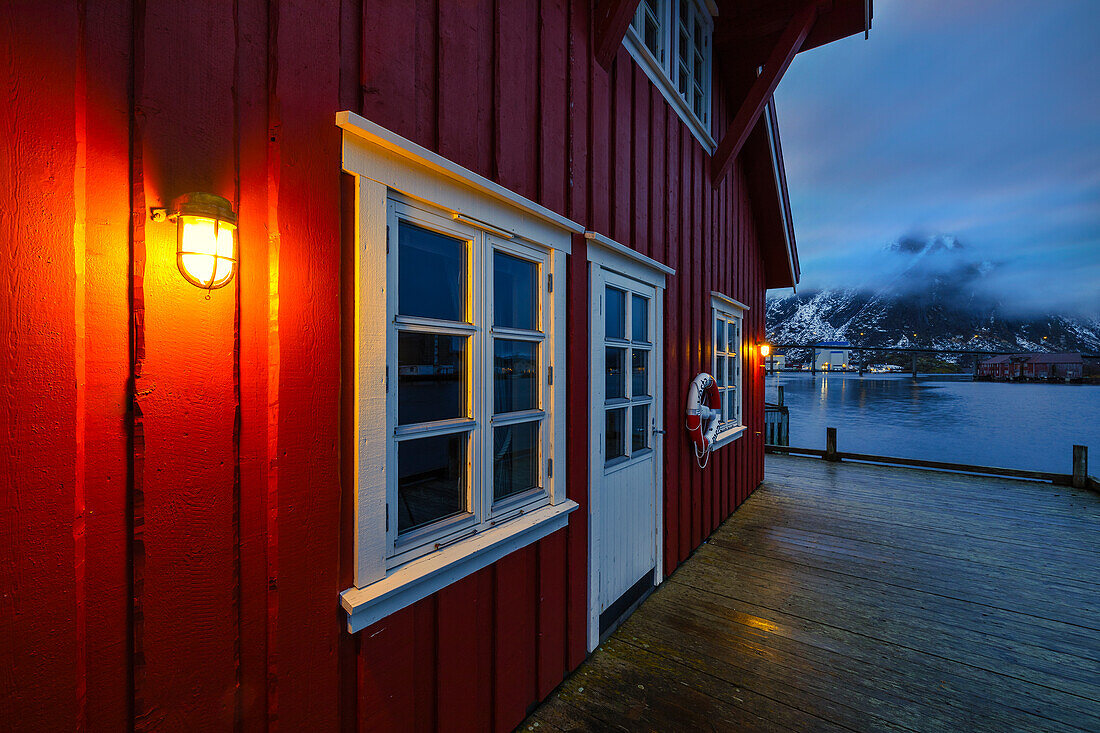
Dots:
(432, 269)
(515, 375)
(515, 459)
(431, 377)
(720, 370)
(616, 373)
(719, 335)
(651, 35)
(515, 292)
(732, 344)
(431, 479)
(727, 405)
(639, 373)
(639, 432)
(615, 435)
(639, 314)
(615, 315)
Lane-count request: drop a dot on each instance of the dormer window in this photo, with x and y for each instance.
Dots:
(671, 41)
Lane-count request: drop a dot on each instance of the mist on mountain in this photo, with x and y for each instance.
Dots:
(930, 290)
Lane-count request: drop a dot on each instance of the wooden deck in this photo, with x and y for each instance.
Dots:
(860, 597)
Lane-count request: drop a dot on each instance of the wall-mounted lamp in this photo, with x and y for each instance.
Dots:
(765, 349)
(206, 238)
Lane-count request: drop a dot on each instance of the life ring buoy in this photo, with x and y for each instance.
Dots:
(704, 410)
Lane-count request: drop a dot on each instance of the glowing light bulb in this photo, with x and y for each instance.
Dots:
(206, 240)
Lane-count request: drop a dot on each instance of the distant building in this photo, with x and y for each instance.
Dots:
(832, 355)
(1014, 367)
(776, 362)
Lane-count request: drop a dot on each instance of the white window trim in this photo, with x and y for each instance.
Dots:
(721, 304)
(660, 71)
(388, 168)
(484, 510)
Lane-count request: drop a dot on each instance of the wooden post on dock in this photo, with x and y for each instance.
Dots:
(914, 365)
(813, 361)
(975, 365)
(861, 362)
(1080, 466)
(830, 445)
(780, 395)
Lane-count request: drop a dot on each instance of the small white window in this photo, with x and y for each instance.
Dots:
(727, 356)
(671, 41)
(458, 330)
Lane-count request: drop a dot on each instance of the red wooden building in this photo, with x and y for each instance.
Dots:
(1033, 366)
(426, 445)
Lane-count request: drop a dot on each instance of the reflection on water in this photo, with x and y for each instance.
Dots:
(944, 417)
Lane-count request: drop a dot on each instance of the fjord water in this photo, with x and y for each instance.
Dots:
(944, 418)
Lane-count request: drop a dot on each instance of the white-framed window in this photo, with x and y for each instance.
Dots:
(459, 326)
(727, 359)
(470, 310)
(671, 40)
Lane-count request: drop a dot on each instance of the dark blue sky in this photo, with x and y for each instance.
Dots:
(974, 119)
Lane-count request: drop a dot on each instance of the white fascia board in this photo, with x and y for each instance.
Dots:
(623, 259)
(780, 189)
(420, 578)
(372, 151)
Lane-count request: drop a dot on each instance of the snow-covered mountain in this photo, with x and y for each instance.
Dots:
(938, 296)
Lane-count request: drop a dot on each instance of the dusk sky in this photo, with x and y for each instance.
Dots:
(974, 119)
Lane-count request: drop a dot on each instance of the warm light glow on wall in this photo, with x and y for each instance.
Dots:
(765, 349)
(206, 239)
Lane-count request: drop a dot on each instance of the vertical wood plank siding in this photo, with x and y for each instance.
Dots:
(174, 535)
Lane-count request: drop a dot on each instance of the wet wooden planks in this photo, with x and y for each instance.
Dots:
(860, 597)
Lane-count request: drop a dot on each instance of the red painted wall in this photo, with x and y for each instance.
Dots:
(172, 525)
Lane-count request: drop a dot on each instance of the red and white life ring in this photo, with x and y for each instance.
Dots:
(704, 410)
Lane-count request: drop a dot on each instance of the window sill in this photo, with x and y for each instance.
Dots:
(727, 436)
(424, 576)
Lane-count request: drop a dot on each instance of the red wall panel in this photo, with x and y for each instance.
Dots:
(174, 472)
(42, 359)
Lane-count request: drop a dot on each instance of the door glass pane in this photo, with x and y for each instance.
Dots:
(515, 371)
(639, 374)
(616, 373)
(615, 315)
(515, 292)
(431, 377)
(515, 459)
(615, 434)
(639, 315)
(639, 430)
(432, 274)
(431, 479)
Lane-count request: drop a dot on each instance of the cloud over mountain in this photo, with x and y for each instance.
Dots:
(929, 291)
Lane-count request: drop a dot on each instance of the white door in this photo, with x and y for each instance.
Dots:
(625, 433)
